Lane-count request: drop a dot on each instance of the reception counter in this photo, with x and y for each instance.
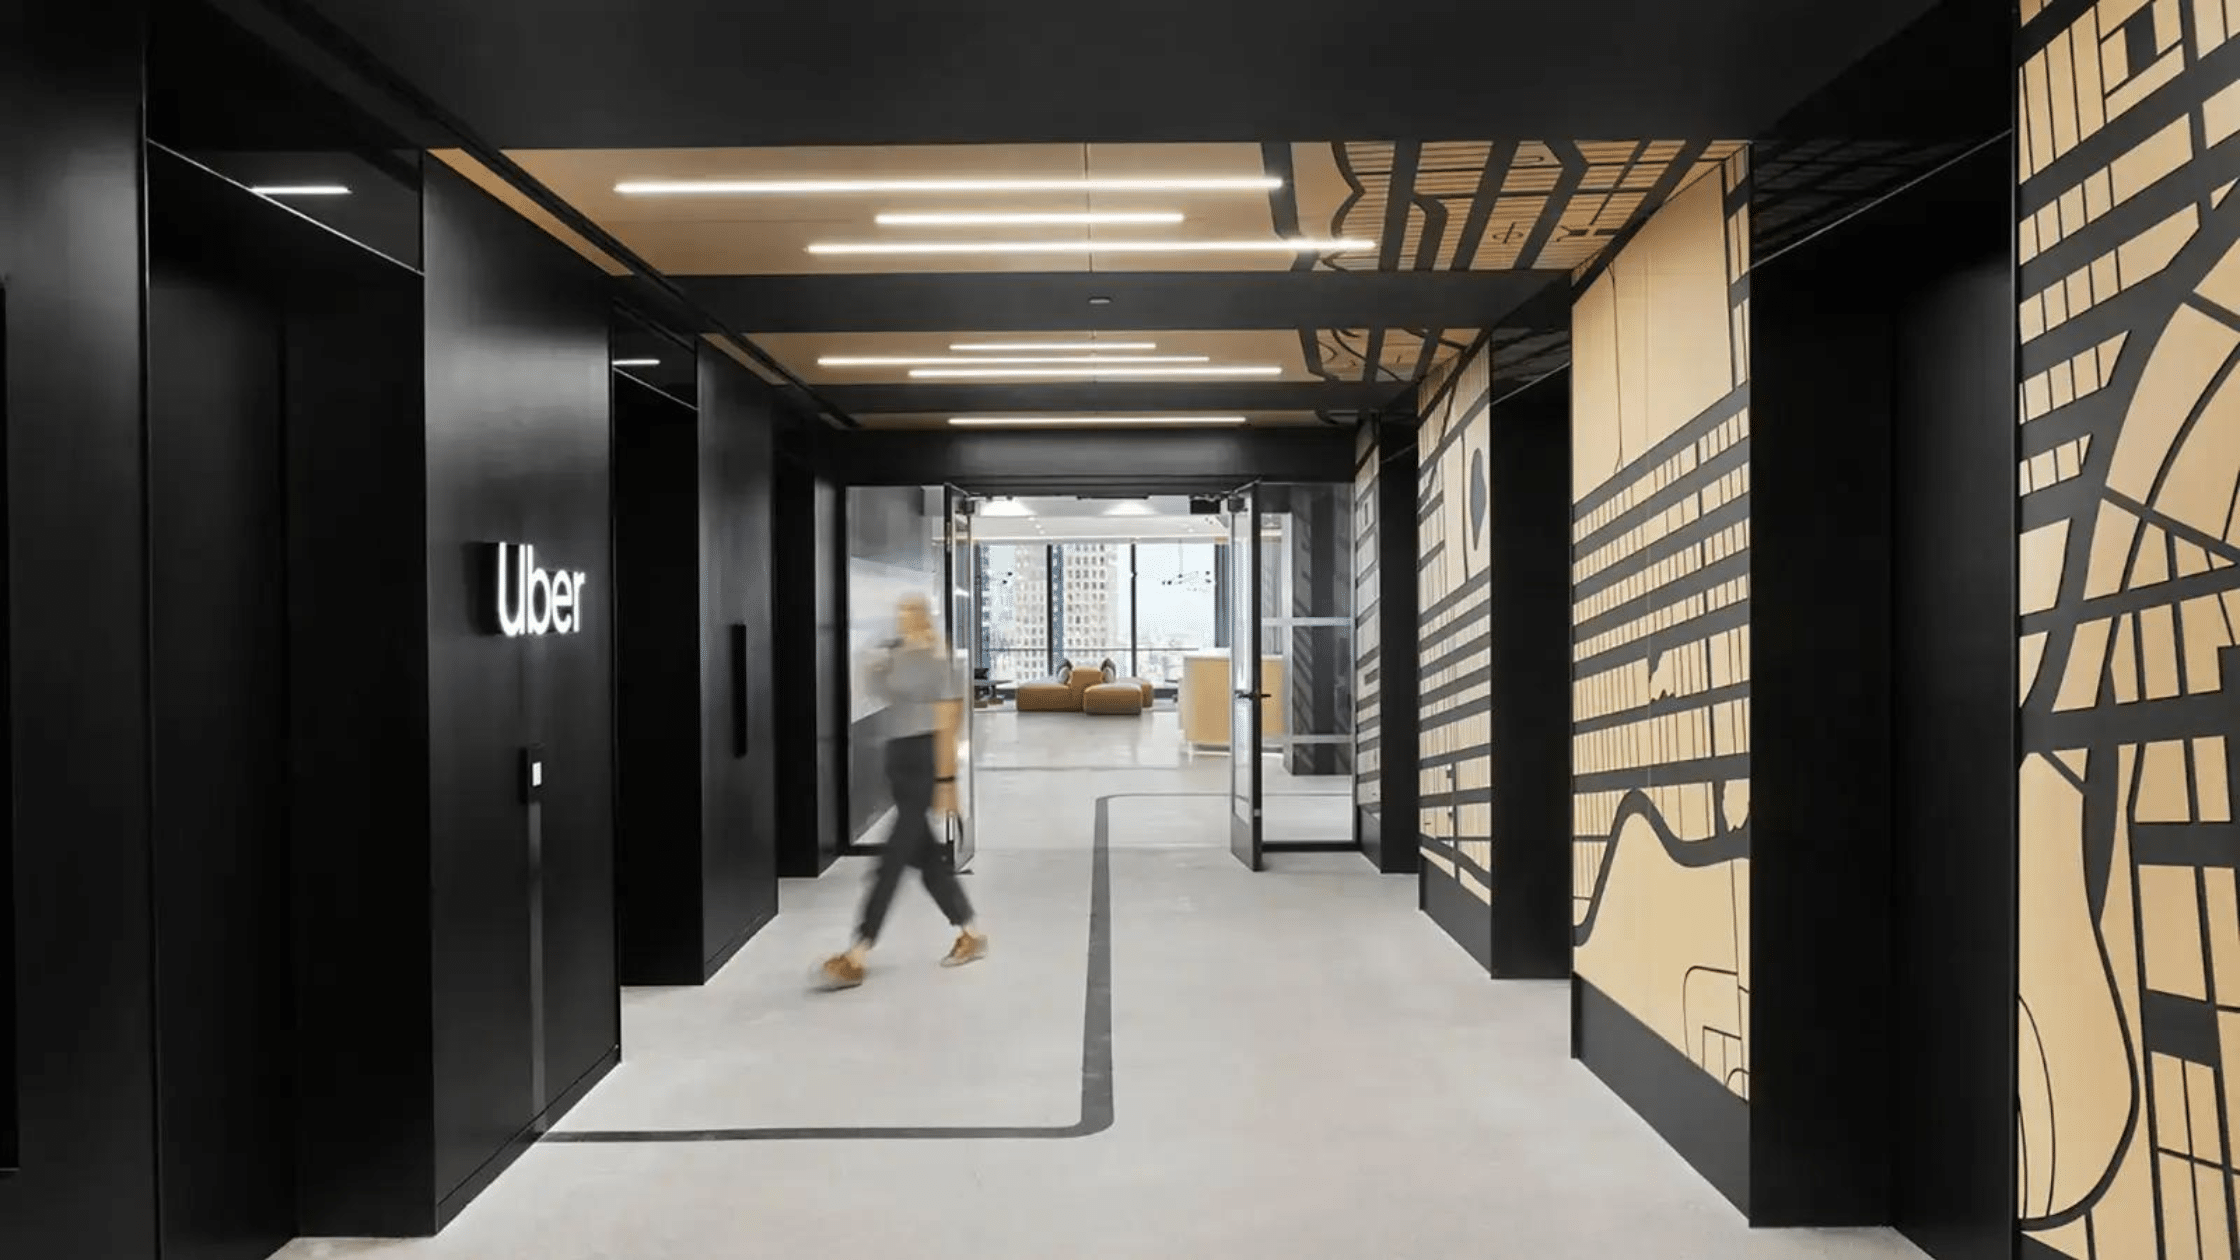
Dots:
(1205, 693)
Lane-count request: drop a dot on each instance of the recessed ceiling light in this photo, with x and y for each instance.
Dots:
(299, 190)
(1087, 218)
(637, 363)
(975, 361)
(811, 187)
(1278, 246)
(1100, 300)
(1037, 422)
(1053, 346)
(1092, 372)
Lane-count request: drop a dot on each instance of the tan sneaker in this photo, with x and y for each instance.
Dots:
(840, 972)
(971, 947)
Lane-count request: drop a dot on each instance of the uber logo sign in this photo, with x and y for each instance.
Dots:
(532, 601)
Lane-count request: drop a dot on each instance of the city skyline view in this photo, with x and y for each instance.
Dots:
(1160, 591)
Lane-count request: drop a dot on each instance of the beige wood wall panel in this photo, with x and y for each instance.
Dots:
(1368, 623)
(1454, 629)
(1661, 533)
(2129, 472)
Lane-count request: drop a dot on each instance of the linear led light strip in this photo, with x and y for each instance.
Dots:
(1054, 347)
(299, 190)
(1037, 422)
(839, 361)
(1086, 373)
(782, 187)
(1093, 247)
(1090, 218)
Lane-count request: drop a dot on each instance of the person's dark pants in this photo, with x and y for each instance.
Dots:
(910, 776)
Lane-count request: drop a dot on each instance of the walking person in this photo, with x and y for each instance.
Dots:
(917, 680)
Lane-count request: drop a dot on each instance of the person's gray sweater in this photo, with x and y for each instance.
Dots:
(912, 681)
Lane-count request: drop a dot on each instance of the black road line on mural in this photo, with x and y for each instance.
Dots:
(1499, 159)
(1729, 459)
(1702, 581)
(1662, 191)
(1663, 706)
(1730, 845)
(1399, 198)
(1568, 182)
(1283, 214)
(1622, 478)
(1734, 616)
(1686, 538)
(1428, 352)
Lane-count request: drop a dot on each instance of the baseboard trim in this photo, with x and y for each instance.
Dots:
(1459, 914)
(449, 1207)
(721, 957)
(1702, 1120)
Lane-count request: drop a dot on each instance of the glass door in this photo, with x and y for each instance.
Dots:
(962, 608)
(1244, 676)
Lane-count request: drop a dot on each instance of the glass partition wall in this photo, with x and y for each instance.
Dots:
(1307, 624)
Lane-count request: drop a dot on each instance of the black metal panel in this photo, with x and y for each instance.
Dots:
(739, 815)
(805, 652)
(359, 736)
(1020, 460)
(1820, 712)
(1528, 444)
(1704, 1121)
(618, 73)
(657, 706)
(1189, 301)
(518, 450)
(1954, 755)
(225, 1019)
(1457, 912)
(76, 632)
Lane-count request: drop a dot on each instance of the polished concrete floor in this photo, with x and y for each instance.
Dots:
(1301, 1067)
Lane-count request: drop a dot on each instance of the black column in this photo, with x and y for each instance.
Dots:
(77, 731)
(1528, 445)
(805, 656)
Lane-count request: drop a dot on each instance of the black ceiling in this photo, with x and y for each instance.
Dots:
(652, 73)
(1141, 301)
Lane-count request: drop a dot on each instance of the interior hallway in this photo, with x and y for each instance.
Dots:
(1252, 1111)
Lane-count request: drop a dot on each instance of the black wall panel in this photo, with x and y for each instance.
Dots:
(1883, 919)
(658, 663)
(359, 702)
(697, 825)
(225, 1019)
(805, 650)
(739, 813)
(1954, 751)
(518, 450)
(76, 577)
(1528, 445)
(1820, 710)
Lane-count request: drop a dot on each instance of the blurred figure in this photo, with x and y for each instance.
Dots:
(917, 680)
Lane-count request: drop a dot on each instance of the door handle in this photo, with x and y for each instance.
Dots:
(1252, 695)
